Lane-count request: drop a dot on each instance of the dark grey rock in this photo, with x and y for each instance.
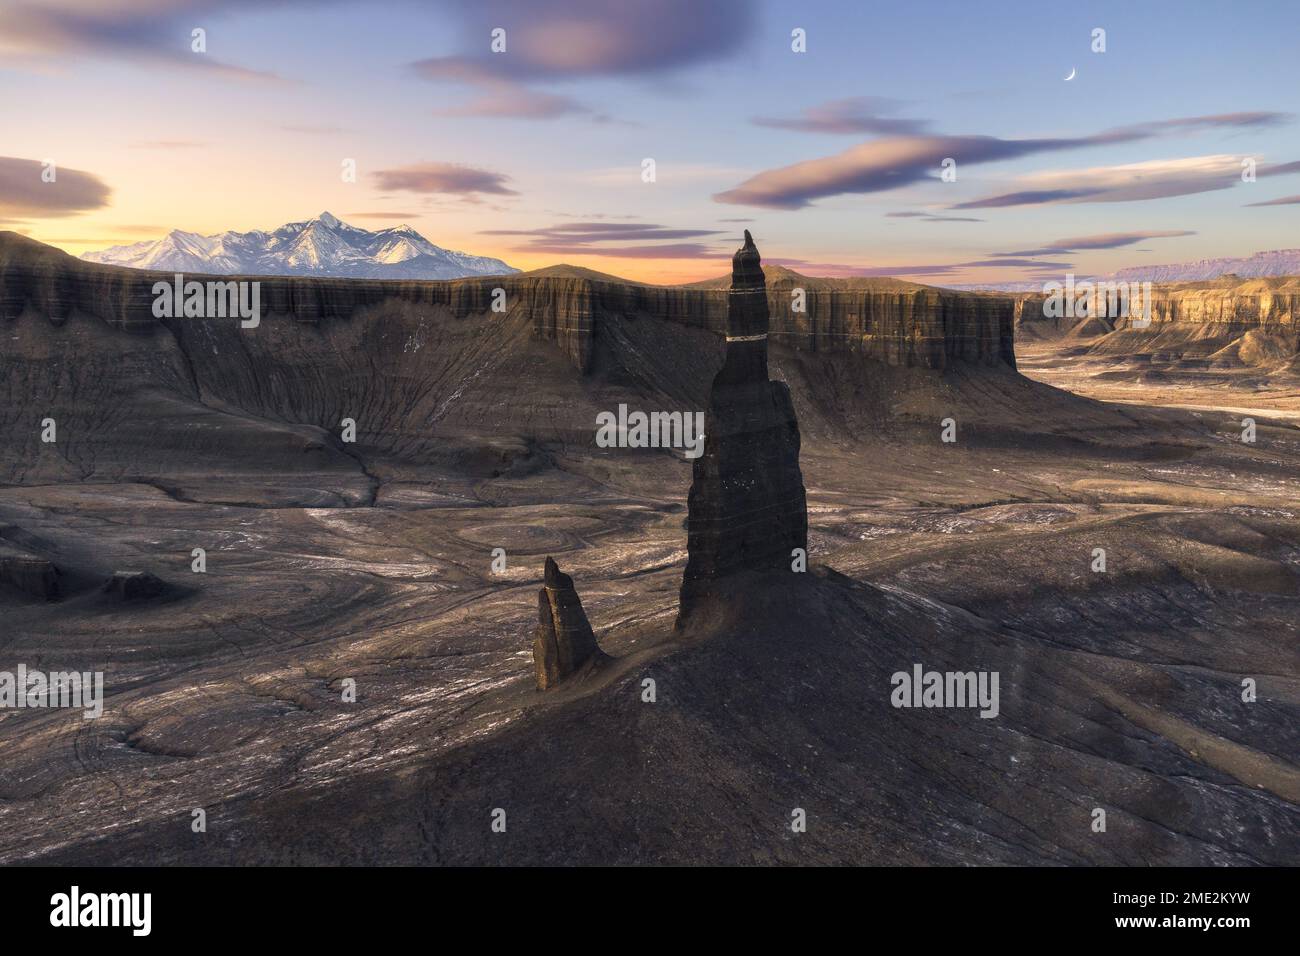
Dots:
(747, 506)
(564, 641)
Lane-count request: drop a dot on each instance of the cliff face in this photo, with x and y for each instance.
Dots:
(897, 323)
(1187, 318)
(1265, 304)
(56, 285)
(429, 373)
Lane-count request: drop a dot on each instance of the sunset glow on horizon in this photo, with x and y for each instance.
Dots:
(536, 155)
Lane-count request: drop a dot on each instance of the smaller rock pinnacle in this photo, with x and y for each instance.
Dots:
(564, 640)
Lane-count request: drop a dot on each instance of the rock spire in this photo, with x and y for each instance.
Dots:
(747, 506)
(564, 640)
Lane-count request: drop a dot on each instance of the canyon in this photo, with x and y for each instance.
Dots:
(1221, 344)
(370, 565)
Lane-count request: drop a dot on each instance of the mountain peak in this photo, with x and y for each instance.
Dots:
(323, 246)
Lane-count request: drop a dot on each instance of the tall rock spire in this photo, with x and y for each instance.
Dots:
(747, 507)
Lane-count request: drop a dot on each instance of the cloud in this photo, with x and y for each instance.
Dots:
(875, 167)
(1023, 259)
(594, 238)
(857, 114)
(557, 40)
(901, 161)
(499, 97)
(930, 217)
(155, 32)
(553, 39)
(384, 215)
(1282, 201)
(665, 171)
(678, 250)
(24, 194)
(1134, 182)
(1014, 263)
(604, 232)
(1247, 120)
(1026, 197)
(447, 178)
(930, 269)
(1108, 240)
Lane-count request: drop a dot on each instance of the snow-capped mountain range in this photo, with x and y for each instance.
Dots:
(1276, 262)
(324, 246)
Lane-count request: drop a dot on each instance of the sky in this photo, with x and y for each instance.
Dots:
(832, 155)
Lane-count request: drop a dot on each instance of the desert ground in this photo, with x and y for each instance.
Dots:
(372, 562)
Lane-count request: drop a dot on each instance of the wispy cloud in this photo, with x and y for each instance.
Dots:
(153, 32)
(840, 270)
(666, 172)
(901, 161)
(498, 96)
(24, 194)
(857, 114)
(672, 250)
(1281, 201)
(1108, 240)
(558, 40)
(562, 39)
(1024, 259)
(930, 217)
(1243, 120)
(876, 166)
(611, 238)
(443, 178)
(1133, 182)
(384, 215)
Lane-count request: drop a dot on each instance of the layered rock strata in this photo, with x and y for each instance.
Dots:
(1192, 318)
(747, 509)
(564, 641)
(898, 323)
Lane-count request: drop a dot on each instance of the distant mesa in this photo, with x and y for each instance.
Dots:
(32, 575)
(324, 246)
(564, 642)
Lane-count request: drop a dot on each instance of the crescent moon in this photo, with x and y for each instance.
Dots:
(1071, 76)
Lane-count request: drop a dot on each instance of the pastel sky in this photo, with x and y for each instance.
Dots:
(832, 157)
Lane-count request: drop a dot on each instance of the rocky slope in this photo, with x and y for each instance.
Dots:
(425, 369)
